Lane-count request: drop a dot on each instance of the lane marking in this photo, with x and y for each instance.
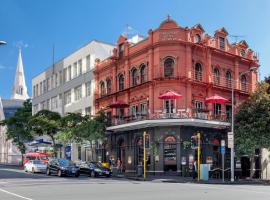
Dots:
(16, 195)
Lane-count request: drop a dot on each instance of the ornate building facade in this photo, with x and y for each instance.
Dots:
(188, 62)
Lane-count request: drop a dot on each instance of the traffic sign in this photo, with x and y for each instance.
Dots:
(222, 149)
(230, 140)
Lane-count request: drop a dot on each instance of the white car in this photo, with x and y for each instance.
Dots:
(35, 166)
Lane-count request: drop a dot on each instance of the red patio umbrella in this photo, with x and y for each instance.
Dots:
(216, 99)
(119, 104)
(170, 95)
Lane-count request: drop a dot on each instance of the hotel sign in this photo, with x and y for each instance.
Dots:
(168, 35)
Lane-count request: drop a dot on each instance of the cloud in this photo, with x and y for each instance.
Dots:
(3, 67)
(21, 44)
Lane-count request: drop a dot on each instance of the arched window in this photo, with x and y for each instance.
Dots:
(198, 72)
(243, 83)
(20, 90)
(168, 67)
(143, 73)
(134, 77)
(121, 81)
(102, 88)
(228, 79)
(216, 76)
(197, 38)
(109, 86)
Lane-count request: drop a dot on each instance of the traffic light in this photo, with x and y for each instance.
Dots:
(194, 142)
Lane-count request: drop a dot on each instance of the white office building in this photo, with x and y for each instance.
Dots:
(68, 86)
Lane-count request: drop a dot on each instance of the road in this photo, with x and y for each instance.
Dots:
(18, 185)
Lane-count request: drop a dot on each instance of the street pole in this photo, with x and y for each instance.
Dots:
(232, 130)
(222, 153)
(199, 153)
(144, 155)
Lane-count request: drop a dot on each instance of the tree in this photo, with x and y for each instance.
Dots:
(46, 122)
(252, 122)
(17, 126)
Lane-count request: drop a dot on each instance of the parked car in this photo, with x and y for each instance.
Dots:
(93, 169)
(35, 166)
(44, 157)
(62, 167)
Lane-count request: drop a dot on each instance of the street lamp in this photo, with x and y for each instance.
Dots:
(2, 42)
(252, 69)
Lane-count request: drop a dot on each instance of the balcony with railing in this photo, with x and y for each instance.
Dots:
(199, 114)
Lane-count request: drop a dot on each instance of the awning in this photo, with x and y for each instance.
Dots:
(119, 104)
(216, 99)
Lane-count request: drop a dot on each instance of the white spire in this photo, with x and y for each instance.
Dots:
(19, 87)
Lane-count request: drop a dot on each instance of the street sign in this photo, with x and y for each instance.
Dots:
(223, 143)
(222, 149)
(230, 140)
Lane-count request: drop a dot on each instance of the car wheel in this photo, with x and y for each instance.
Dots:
(59, 173)
(48, 172)
(93, 174)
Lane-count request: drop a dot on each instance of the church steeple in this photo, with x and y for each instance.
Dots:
(19, 86)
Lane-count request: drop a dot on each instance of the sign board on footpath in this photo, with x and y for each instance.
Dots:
(230, 140)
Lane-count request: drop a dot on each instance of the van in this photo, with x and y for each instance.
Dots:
(44, 157)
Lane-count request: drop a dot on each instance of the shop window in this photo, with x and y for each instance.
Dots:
(139, 151)
(170, 154)
(168, 67)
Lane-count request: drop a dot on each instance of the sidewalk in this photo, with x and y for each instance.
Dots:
(179, 179)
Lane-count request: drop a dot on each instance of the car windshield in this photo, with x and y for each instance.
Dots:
(65, 162)
(37, 162)
(97, 164)
(43, 158)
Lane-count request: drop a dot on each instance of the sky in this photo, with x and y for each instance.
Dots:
(69, 24)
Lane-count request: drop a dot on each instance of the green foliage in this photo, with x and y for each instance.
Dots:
(17, 126)
(252, 122)
(46, 122)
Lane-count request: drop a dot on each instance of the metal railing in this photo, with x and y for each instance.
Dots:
(178, 114)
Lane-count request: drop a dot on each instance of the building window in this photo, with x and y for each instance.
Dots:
(75, 70)
(54, 102)
(121, 81)
(221, 41)
(65, 75)
(48, 84)
(134, 77)
(69, 72)
(109, 86)
(143, 73)
(216, 76)
(88, 110)
(88, 88)
(243, 83)
(60, 77)
(228, 79)
(134, 111)
(121, 50)
(198, 105)
(78, 93)
(243, 52)
(80, 67)
(169, 106)
(67, 97)
(197, 38)
(56, 80)
(88, 63)
(102, 88)
(217, 109)
(168, 67)
(198, 72)
(143, 108)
